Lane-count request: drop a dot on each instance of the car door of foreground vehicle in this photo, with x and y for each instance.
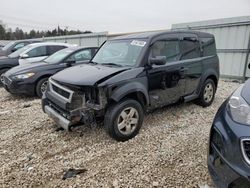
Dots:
(166, 82)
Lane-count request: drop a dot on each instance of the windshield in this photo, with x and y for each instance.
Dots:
(8, 45)
(18, 52)
(121, 53)
(58, 56)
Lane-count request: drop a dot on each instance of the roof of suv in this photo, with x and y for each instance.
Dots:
(157, 33)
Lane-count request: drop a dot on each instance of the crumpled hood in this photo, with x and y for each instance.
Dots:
(20, 69)
(87, 75)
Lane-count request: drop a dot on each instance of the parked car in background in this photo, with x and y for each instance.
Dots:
(31, 79)
(15, 45)
(40, 51)
(133, 74)
(30, 53)
(229, 143)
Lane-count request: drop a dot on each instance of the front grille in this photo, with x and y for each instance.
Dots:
(61, 111)
(75, 98)
(60, 91)
(245, 147)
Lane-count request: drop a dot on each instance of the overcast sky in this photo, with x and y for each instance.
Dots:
(115, 16)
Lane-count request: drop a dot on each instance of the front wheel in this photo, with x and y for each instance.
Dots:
(207, 93)
(41, 87)
(123, 120)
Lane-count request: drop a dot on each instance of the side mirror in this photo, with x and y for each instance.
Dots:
(69, 63)
(13, 50)
(158, 60)
(24, 56)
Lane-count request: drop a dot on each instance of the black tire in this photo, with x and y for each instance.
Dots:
(2, 71)
(206, 100)
(39, 86)
(115, 111)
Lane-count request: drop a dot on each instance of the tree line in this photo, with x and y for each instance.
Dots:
(17, 34)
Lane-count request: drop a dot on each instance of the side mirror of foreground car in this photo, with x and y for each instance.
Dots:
(158, 60)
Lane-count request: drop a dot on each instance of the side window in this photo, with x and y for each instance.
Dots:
(53, 49)
(37, 52)
(168, 48)
(189, 48)
(208, 46)
(81, 56)
(19, 45)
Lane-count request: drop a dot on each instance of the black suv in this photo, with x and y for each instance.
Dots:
(130, 75)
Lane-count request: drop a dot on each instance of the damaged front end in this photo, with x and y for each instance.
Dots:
(71, 105)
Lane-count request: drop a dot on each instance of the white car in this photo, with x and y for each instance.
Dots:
(39, 51)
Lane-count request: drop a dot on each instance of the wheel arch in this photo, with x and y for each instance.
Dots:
(40, 78)
(135, 91)
(214, 78)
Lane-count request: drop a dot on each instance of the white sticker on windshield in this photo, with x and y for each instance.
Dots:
(138, 43)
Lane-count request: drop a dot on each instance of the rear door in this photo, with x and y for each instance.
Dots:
(191, 61)
(166, 82)
(35, 55)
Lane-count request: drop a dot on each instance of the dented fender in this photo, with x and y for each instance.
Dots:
(129, 88)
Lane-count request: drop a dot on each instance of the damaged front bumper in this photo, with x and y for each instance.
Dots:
(71, 111)
(60, 120)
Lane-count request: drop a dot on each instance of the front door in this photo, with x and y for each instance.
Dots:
(166, 82)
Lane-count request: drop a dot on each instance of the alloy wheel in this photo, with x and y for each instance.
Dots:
(44, 86)
(208, 93)
(128, 120)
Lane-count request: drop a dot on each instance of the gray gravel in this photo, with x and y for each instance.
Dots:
(170, 150)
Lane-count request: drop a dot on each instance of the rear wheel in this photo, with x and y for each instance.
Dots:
(207, 93)
(41, 87)
(1, 74)
(123, 120)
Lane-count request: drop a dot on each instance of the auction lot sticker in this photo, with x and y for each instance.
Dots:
(138, 43)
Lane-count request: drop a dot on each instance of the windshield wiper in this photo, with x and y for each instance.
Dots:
(92, 62)
(112, 64)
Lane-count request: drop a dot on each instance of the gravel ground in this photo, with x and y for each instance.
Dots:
(170, 150)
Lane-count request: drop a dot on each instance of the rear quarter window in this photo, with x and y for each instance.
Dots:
(208, 46)
(190, 48)
(54, 48)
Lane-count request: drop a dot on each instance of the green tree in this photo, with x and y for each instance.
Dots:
(2, 32)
